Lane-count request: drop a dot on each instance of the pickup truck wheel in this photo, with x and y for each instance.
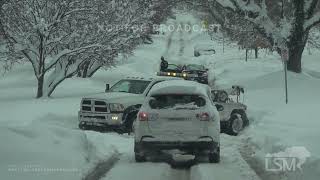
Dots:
(236, 124)
(129, 115)
(82, 127)
(129, 121)
(139, 158)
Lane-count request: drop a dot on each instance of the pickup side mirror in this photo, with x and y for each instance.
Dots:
(107, 87)
(219, 107)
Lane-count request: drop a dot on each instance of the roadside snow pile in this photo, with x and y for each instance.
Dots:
(42, 150)
(278, 126)
(40, 138)
(39, 144)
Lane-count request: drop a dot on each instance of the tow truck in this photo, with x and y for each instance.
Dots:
(233, 116)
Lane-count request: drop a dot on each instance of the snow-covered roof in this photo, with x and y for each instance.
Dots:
(139, 78)
(179, 87)
(157, 78)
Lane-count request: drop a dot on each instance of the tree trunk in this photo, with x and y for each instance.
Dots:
(41, 70)
(54, 86)
(91, 73)
(295, 54)
(40, 86)
(247, 51)
(256, 50)
(83, 70)
(298, 38)
(296, 47)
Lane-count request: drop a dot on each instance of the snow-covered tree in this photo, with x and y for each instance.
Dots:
(314, 38)
(135, 26)
(62, 38)
(285, 23)
(42, 30)
(125, 25)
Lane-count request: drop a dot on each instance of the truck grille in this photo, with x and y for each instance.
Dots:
(94, 106)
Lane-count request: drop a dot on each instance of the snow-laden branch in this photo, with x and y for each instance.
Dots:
(249, 6)
(53, 60)
(314, 20)
(309, 7)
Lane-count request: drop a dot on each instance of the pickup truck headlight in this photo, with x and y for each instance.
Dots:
(116, 107)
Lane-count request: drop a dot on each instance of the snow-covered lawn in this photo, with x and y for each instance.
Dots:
(44, 134)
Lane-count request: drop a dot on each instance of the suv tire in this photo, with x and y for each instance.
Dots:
(214, 157)
(137, 153)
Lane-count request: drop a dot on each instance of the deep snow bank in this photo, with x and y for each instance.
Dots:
(277, 126)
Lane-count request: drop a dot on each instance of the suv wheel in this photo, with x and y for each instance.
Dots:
(137, 153)
(236, 124)
(214, 157)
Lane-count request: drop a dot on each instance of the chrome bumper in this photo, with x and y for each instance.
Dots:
(112, 119)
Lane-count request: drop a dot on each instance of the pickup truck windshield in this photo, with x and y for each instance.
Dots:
(130, 86)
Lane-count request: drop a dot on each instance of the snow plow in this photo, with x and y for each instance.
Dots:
(233, 116)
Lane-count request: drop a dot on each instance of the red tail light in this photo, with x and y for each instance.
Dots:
(203, 116)
(143, 116)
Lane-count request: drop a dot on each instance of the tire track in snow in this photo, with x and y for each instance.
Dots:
(126, 167)
(102, 168)
(180, 174)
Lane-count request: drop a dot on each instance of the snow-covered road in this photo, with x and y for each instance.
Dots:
(179, 49)
(232, 166)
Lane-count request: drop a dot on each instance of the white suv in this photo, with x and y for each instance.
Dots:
(178, 115)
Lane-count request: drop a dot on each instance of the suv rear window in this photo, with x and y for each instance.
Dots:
(181, 101)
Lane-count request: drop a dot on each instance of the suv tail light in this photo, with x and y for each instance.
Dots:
(203, 116)
(143, 116)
